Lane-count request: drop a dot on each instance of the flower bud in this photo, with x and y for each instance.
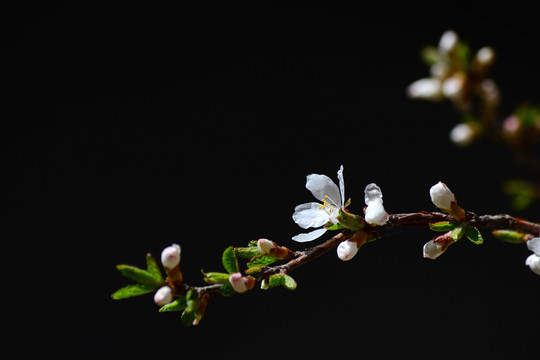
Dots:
(372, 193)
(163, 296)
(485, 56)
(432, 250)
(170, 256)
(453, 86)
(347, 249)
(448, 41)
(265, 246)
(425, 89)
(441, 196)
(463, 134)
(533, 261)
(241, 283)
(435, 247)
(375, 213)
(534, 245)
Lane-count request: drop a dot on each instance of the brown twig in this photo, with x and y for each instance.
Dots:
(423, 218)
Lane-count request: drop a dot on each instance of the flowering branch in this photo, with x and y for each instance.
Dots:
(269, 264)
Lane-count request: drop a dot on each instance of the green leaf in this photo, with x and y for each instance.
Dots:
(131, 291)
(153, 268)
(215, 277)
(229, 260)
(139, 275)
(177, 305)
(288, 282)
(443, 226)
(192, 305)
(510, 236)
(473, 235)
(226, 290)
(282, 280)
(458, 232)
(330, 226)
(261, 260)
(246, 252)
(430, 55)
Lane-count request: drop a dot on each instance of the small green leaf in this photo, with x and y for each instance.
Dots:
(246, 252)
(139, 275)
(153, 268)
(190, 311)
(253, 270)
(131, 291)
(510, 236)
(275, 280)
(226, 290)
(443, 226)
(288, 282)
(229, 260)
(261, 260)
(177, 305)
(457, 233)
(473, 235)
(330, 226)
(215, 277)
(430, 55)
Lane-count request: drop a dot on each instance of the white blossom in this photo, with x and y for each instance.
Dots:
(375, 213)
(485, 56)
(170, 256)
(452, 87)
(163, 296)
(315, 214)
(347, 249)
(441, 196)
(533, 261)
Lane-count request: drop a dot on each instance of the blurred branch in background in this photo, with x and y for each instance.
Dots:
(459, 75)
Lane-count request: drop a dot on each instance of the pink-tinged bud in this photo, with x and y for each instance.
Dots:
(170, 256)
(163, 296)
(265, 246)
(241, 283)
(441, 196)
(347, 250)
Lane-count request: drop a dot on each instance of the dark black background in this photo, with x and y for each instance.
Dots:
(133, 127)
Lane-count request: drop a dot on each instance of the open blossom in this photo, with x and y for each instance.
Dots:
(533, 261)
(316, 214)
(375, 213)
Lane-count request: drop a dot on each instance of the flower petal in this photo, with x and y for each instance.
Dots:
(310, 215)
(321, 186)
(309, 236)
(341, 184)
(534, 245)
